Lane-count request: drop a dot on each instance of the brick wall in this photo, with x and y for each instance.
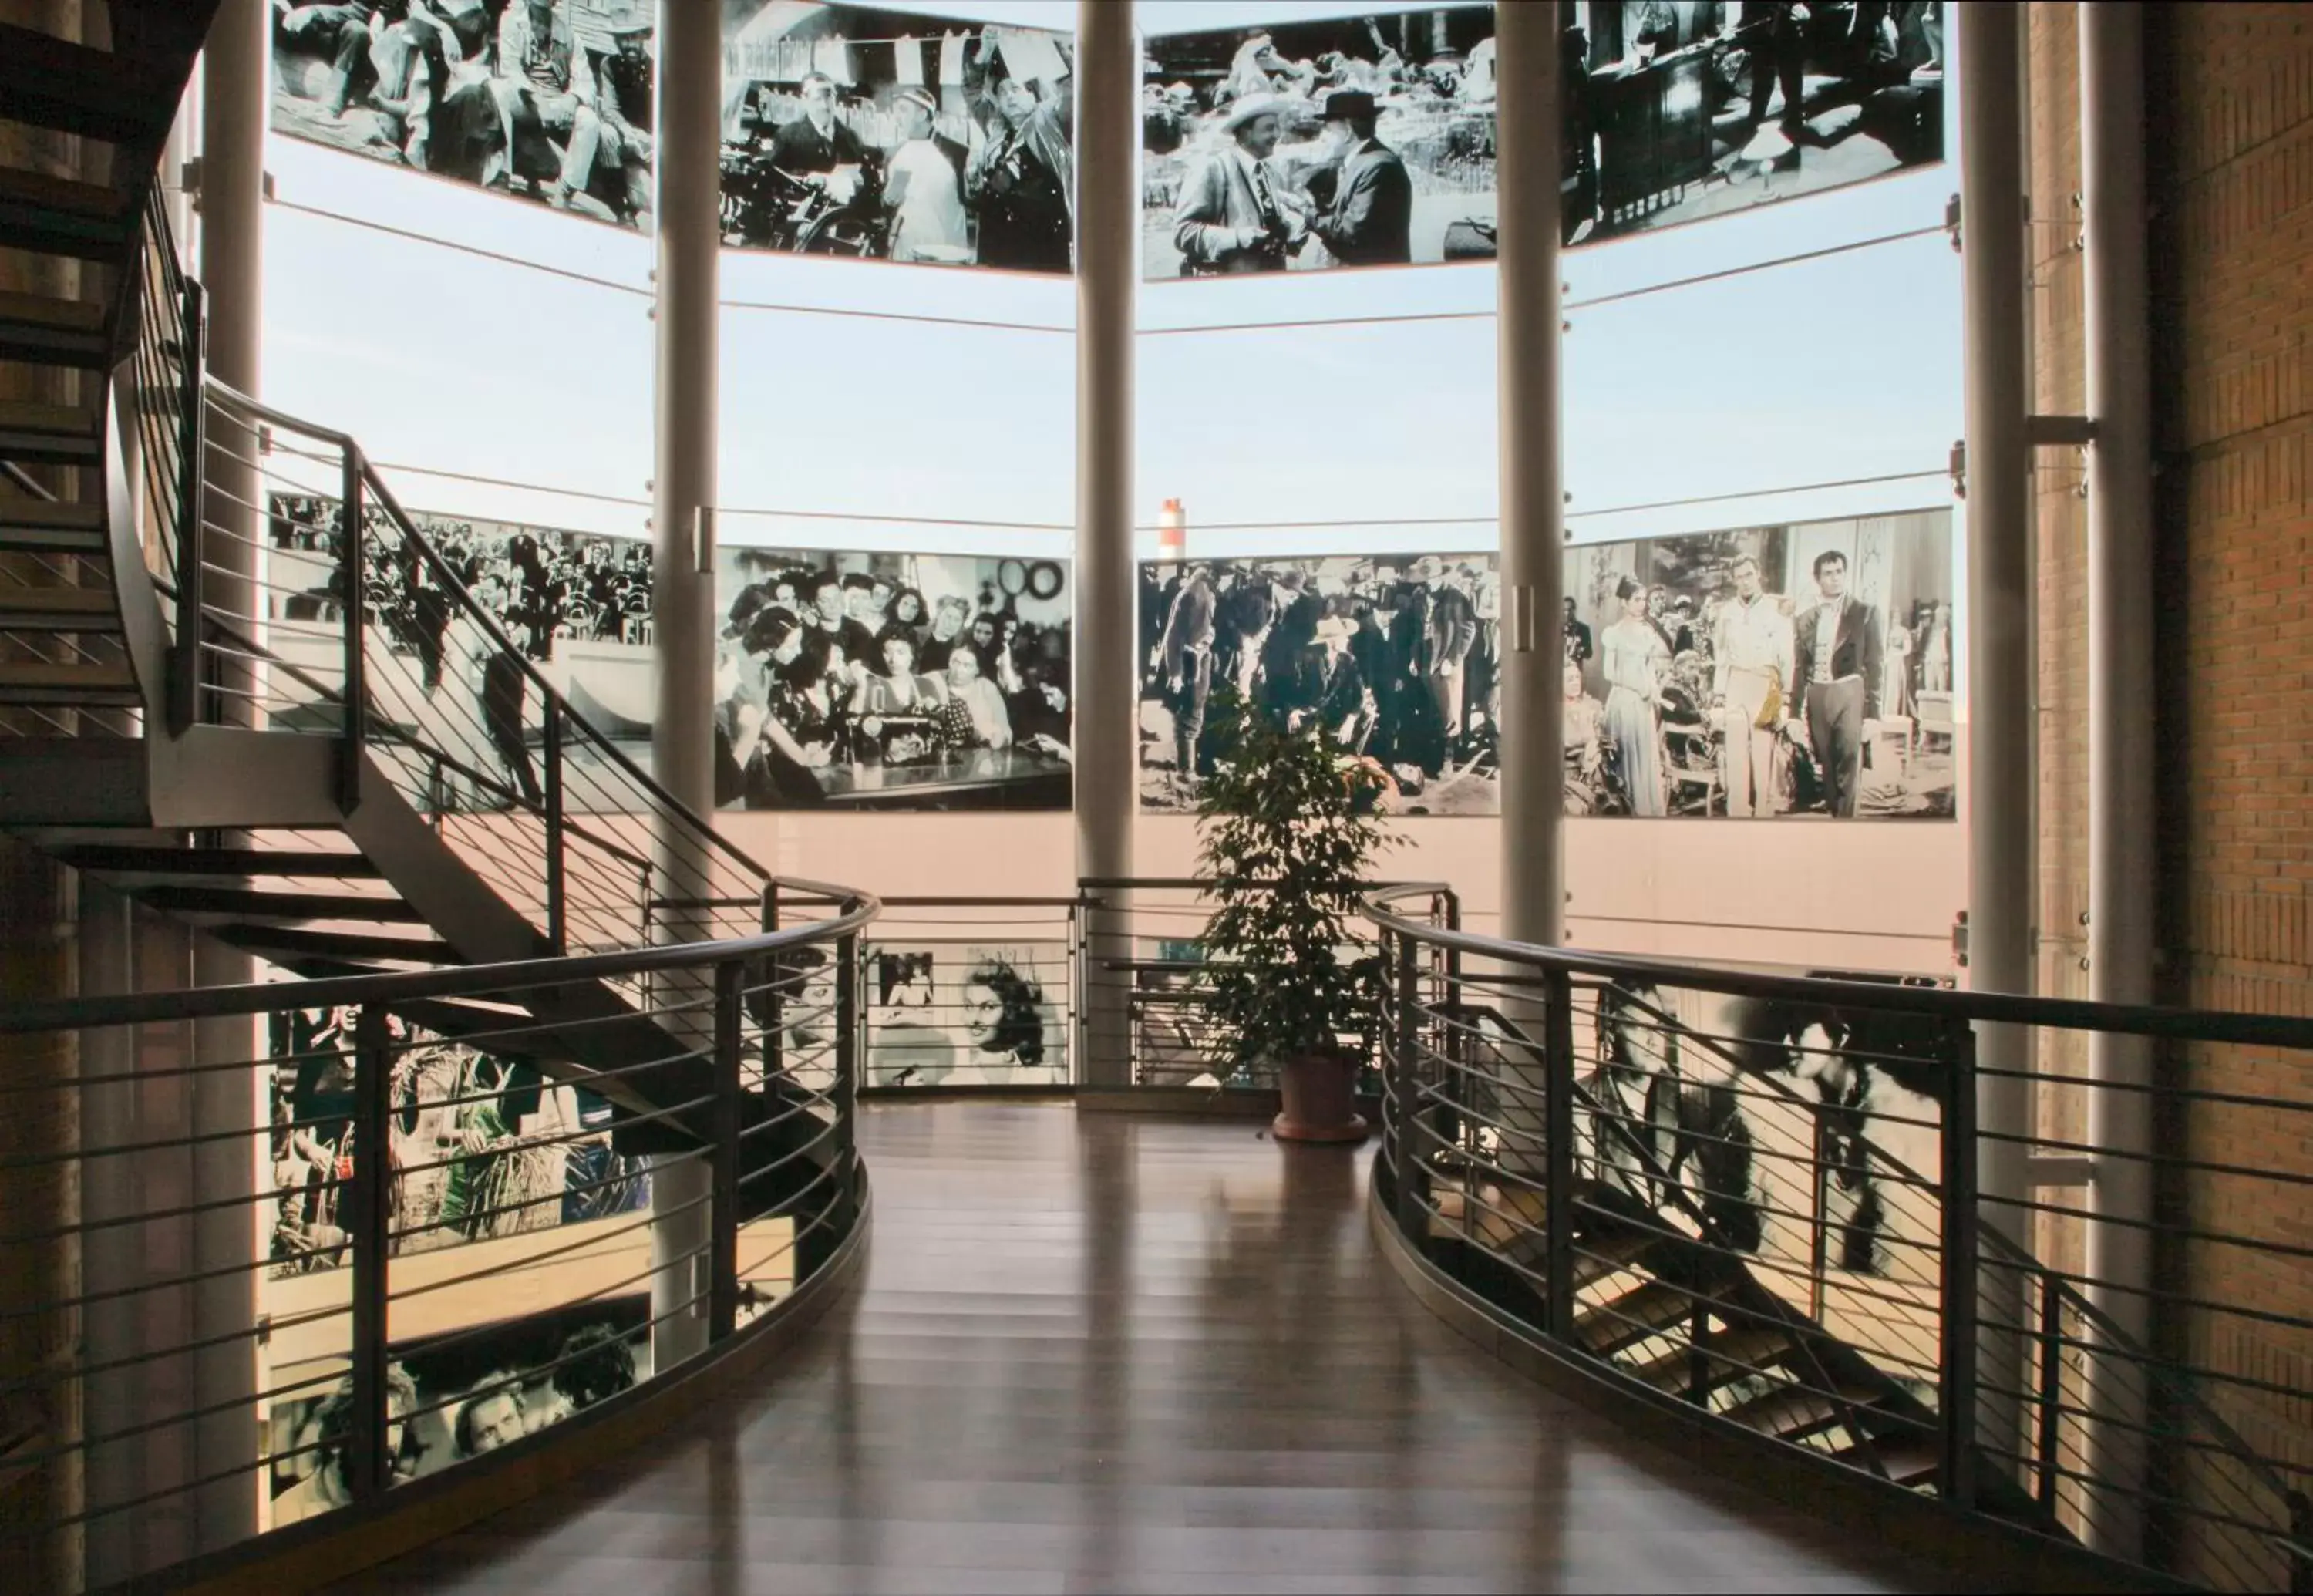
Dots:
(2230, 98)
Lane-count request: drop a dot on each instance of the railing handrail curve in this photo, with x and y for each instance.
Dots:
(222, 1002)
(2190, 1024)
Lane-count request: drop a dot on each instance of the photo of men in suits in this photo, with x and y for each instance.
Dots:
(1380, 650)
(1767, 670)
(1841, 654)
(1307, 146)
(1370, 221)
(1235, 215)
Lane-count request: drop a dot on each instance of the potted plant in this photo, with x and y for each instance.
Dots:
(1286, 838)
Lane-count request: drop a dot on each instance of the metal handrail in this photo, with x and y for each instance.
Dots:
(2181, 1025)
(217, 1002)
(2270, 1511)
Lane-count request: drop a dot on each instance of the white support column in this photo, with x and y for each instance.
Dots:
(2121, 747)
(682, 589)
(1532, 496)
(1108, 267)
(1530, 339)
(2000, 864)
(235, 102)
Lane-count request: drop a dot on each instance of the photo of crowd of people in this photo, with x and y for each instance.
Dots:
(489, 1146)
(889, 134)
(893, 681)
(952, 1013)
(460, 1396)
(1398, 655)
(577, 605)
(1371, 140)
(1765, 671)
(552, 100)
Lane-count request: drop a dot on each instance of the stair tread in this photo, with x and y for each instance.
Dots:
(1791, 1413)
(62, 420)
(49, 672)
(264, 939)
(259, 902)
(44, 513)
(1631, 1316)
(94, 201)
(1732, 1355)
(75, 88)
(1907, 1460)
(42, 310)
(125, 859)
(57, 601)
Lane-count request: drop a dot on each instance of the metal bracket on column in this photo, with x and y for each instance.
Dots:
(702, 540)
(1519, 600)
(1951, 221)
(1958, 466)
(2057, 432)
(2060, 1171)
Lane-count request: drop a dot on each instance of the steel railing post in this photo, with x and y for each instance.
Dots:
(558, 923)
(774, 995)
(1557, 1152)
(1957, 1193)
(2052, 1381)
(1405, 1098)
(723, 1211)
(368, 1460)
(192, 438)
(847, 1074)
(355, 732)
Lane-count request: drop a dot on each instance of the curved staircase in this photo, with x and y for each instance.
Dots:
(295, 779)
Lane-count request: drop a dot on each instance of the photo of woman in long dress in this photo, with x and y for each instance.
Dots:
(1635, 657)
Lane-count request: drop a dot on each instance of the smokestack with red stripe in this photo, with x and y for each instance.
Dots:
(1172, 532)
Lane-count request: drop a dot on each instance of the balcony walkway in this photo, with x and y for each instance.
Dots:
(1110, 1354)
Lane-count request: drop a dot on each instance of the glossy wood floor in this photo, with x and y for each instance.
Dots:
(1112, 1353)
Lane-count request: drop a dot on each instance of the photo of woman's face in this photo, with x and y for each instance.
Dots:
(984, 1011)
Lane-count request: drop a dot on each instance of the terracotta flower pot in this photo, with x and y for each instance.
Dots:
(1321, 1100)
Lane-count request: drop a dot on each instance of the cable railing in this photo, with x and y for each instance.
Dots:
(1760, 1200)
(457, 1244)
(356, 627)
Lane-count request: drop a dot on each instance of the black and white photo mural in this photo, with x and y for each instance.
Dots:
(1801, 669)
(877, 132)
(1398, 655)
(949, 1012)
(1369, 140)
(483, 1152)
(880, 681)
(551, 101)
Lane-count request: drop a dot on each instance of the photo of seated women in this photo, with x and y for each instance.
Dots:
(891, 681)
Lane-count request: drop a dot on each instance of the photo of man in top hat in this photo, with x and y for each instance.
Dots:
(1370, 221)
(1235, 216)
(1841, 652)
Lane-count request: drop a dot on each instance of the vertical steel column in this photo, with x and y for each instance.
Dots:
(1558, 1155)
(355, 733)
(730, 1028)
(558, 906)
(235, 100)
(2000, 864)
(2121, 749)
(1407, 1166)
(1958, 1383)
(1108, 270)
(689, 211)
(368, 1463)
(1532, 541)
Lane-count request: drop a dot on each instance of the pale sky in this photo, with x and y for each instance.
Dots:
(1838, 368)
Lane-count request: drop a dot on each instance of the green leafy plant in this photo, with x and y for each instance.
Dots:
(1286, 842)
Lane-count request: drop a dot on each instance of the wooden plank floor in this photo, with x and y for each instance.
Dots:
(1112, 1353)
